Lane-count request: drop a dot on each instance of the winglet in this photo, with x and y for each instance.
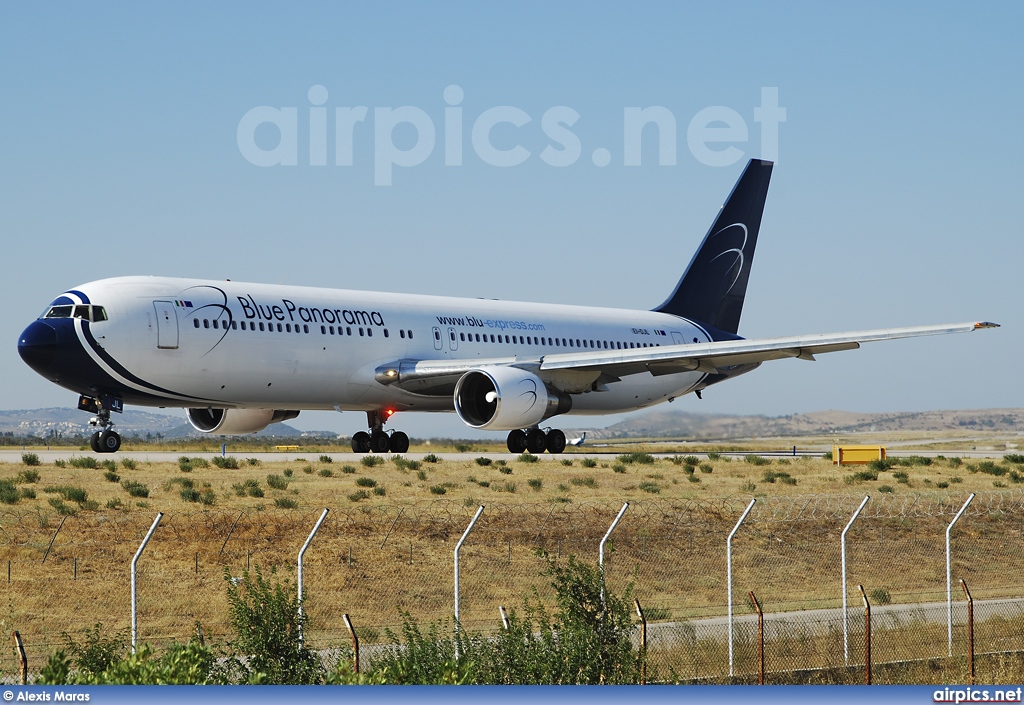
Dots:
(985, 324)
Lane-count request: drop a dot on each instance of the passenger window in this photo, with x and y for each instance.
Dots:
(360, 332)
(288, 327)
(323, 330)
(261, 325)
(279, 328)
(462, 337)
(410, 335)
(437, 334)
(234, 325)
(369, 332)
(195, 322)
(206, 323)
(388, 336)
(305, 328)
(401, 333)
(348, 330)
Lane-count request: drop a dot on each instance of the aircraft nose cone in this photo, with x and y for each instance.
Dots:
(38, 347)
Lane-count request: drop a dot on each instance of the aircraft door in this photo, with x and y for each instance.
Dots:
(166, 325)
(453, 339)
(677, 338)
(437, 338)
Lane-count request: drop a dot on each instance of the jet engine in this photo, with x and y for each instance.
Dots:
(506, 398)
(229, 422)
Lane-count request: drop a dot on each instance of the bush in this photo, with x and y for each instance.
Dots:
(249, 488)
(8, 492)
(348, 469)
(60, 463)
(879, 596)
(1015, 458)
(706, 469)
(431, 458)
(535, 484)
(584, 482)
(253, 462)
(225, 462)
(636, 457)
(365, 482)
(30, 459)
(135, 489)
(955, 462)
(372, 461)
(326, 459)
(112, 476)
(484, 462)
(691, 460)
(567, 462)
(267, 626)
(650, 487)
(589, 463)
(325, 472)
(309, 469)
(504, 470)
(990, 468)
(619, 468)
(757, 460)
(902, 477)
(887, 489)
(109, 465)
(380, 491)
(527, 458)
(286, 503)
(27, 493)
(28, 476)
(438, 489)
(358, 495)
(276, 482)
(421, 475)
(714, 456)
(86, 462)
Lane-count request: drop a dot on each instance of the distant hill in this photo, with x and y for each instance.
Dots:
(687, 425)
(61, 421)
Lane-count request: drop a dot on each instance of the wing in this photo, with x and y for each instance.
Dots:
(578, 370)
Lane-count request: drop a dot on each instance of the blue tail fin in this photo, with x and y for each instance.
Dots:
(713, 286)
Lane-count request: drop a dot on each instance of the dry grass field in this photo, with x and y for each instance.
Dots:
(388, 540)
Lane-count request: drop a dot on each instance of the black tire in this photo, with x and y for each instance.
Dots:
(109, 442)
(516, 442)
(380, 442)
(555, 441)
(399, 442)
(536, 441)
(94, 442)
(361, 442)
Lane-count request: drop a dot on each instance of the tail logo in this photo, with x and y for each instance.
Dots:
(736, 252)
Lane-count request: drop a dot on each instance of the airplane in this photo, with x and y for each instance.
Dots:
(577, 442)
(239, 356)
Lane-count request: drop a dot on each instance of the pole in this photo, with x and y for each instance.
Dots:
(643, 641)
(600, 552)
(22, 658)
(728, 558)
(949, 575)
(54, 538)
(970, 631)
(355, 643)
(760, 638)
(135, 563)
(228, 537)
(458, 547)
(302, 552)
(867, 636)
(842, 550)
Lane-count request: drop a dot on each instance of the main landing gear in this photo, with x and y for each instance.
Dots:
(377, 440)
(106, 440)
(536, 441)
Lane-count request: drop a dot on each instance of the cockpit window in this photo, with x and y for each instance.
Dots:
(86, 313)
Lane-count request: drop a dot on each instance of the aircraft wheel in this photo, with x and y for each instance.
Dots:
(399, 442)
(536, 442)
(555, 441)
(109, 442)
(361, 442)
(94, 442)
(379, 442)
(516, 441)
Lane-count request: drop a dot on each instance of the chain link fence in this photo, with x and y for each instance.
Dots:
(374, 563)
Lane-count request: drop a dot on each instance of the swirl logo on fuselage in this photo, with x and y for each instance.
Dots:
(735, 252)
(223, 313)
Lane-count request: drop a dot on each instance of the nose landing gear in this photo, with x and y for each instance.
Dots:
(106, 440)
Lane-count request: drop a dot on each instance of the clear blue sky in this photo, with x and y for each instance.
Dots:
(896, 199)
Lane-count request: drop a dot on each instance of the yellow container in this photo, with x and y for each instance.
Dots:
(856, 455)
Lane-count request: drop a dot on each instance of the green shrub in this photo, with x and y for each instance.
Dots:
(902, 477)
(589, 463)
(483, 461)
(365, 482)
(28, 476)
(1015, 458)
(286, 503)
(58, 505)
(636, 457)
(30, 459)
(27, 493)
(348, 469)
(438, 489)
(757, 460)
(226, 462)
(421, 475)
(527, 458)
(60, 463)
(128, 464)
(358, 495)
(748, 487)
(650, 487)
(879, 596)
(308, 469)
(325, 472)
(887, 489)
(253, 462)
(431, 458)
(9, 494)
(584, 482)
(691, 460)
(287, 472)
(509, 487)
(372, 461)
(249, 488)
(955, 462)
(619, 468)
(705, 468)
(380, 491)
(135, 489)
(86, 462)
(112, 476)
(109, 465)
(326, 459)
(535, 484)
(504, 470)
(827, 456)
(185, 464)
(567, 462)
(714, 456)
(276, 482)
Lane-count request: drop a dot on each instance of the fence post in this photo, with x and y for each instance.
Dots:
(760, 639)
(355, 642)
(867, 636)
(970, 632)
(842, 551)
(600, 550)
(458, 547)
(643, 641)
(504, 617)
(135, 563)
(302, 552)
(54, 537)
(728, 559)
(22, 658)
(231, 531)
(949, 575)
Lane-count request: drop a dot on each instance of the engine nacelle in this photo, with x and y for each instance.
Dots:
(506, 398)
(229, 422)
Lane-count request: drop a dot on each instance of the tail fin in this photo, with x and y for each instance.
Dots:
(713, 286)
